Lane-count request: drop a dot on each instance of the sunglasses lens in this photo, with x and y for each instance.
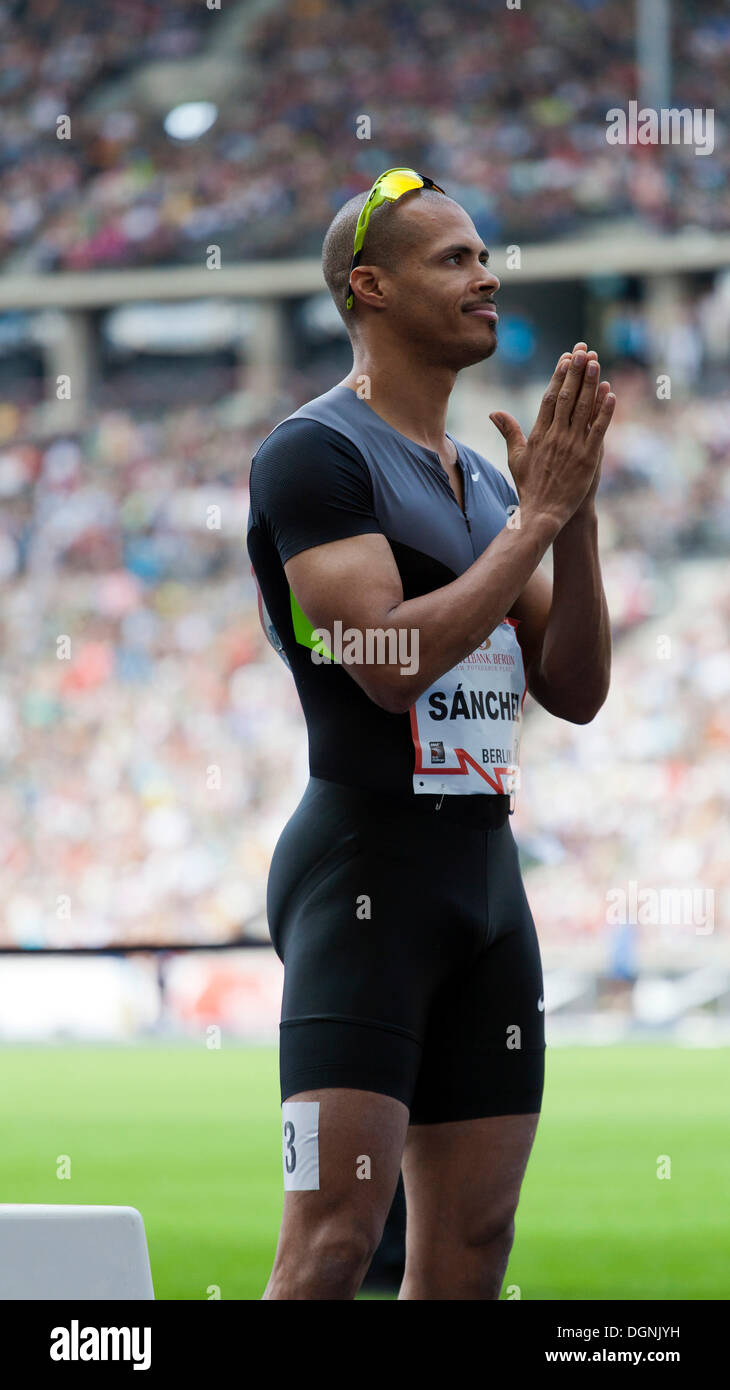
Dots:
(393, 185)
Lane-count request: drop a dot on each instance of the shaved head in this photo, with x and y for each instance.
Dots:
(423, 269)
(389, 239)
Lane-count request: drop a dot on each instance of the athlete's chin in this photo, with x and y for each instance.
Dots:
(471, 353)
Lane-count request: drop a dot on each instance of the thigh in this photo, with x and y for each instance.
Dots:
(463, 1181)
(358, 1137)
(484, 1047)
(368, 923)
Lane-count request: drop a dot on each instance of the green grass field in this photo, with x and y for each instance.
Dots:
(191, 1137)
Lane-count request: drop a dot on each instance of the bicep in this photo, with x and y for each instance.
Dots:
(532, 610)
(355, 580)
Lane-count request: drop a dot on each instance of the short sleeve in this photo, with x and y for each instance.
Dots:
(309, 485)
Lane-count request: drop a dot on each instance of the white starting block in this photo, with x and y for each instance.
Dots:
(67, 1252)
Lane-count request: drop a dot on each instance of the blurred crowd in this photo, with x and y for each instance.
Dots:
(151, 742)
(640, 796)
(506, 107)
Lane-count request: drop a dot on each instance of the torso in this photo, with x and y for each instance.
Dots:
(345, 445)
(450, 463)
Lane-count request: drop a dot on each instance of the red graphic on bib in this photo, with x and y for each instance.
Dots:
(464, 759)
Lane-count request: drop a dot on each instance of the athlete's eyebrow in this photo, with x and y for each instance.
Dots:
(451, 250)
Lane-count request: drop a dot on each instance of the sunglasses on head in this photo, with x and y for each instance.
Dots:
(388, 187)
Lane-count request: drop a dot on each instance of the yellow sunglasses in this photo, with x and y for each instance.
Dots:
(386, 189)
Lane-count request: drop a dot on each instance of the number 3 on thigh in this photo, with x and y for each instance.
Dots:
(300, 1145)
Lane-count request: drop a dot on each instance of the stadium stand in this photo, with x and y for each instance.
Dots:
(535, 83)
(104, 541)
(148, 772)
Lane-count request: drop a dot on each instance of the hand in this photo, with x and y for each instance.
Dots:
(558, 467)
(586, 507)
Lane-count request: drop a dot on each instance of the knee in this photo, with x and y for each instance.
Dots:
(494, 1229)
(471, 1264)
(343, 1244)
(330, 1263)
(484, 1255)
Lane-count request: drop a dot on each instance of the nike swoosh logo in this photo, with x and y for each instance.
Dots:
(541, 1003)
(475, 476)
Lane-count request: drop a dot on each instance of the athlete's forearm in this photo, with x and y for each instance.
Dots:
(452, 621)
(574, 673)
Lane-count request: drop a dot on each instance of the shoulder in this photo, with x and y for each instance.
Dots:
(309, 484)
(300, 443)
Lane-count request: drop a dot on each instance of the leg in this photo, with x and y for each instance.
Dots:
(357, 994)
(353, 1009)
(475, 1108)
(462, 1183)
(328, 1237)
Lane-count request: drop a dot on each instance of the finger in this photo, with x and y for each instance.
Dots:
(583, 408)
(547, 405)
(601, 423)
(568, 393)
(566, 356)
(508, 427)
(582, 348)
(591, 356)
(602, 391)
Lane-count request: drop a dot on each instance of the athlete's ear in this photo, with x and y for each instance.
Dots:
(367, 281)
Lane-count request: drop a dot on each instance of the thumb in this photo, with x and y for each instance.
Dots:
(508, 427)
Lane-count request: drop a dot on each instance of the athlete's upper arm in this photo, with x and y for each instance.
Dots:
(532, 609)
(356, 581)
(311, 489)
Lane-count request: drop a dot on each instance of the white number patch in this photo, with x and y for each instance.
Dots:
(300, 1145)
(466, 726)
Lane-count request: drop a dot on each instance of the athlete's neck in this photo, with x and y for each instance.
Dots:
(413, 402)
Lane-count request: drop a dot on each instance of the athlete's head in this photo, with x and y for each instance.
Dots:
(422, 269)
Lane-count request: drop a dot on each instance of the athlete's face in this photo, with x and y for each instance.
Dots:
(442, 296)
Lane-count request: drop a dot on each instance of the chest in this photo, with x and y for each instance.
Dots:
(437, 519)
(452, 468)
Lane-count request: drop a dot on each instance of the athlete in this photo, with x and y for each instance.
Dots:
(398, 578)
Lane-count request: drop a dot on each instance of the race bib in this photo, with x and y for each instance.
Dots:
(466, 726)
